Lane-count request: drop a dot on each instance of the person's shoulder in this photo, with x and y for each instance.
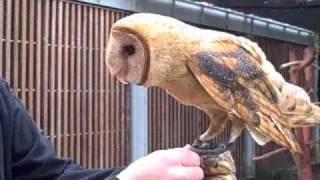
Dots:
(4, 85)
(6, 104)
(5, 89)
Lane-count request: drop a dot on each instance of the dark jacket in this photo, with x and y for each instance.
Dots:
(27, 154)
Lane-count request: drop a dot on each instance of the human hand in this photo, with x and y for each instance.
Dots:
(171, 164)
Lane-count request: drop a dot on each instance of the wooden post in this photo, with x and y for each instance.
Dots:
(316, 134)
(302, 161)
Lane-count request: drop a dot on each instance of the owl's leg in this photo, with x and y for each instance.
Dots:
(237, 127)
(204, 144)
(207, 146)
(217, 124)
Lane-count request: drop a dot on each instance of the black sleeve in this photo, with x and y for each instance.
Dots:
(33, 156)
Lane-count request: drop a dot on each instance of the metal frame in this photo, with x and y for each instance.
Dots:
(316, 134)
(214, 17)
(139, 122)
(249, 154)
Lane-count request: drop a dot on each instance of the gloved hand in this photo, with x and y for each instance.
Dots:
(171, 164)
(219, 167)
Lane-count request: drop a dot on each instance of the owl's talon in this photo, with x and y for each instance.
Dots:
(202, 144)
(196, 143)
(205, 145)
(207, 148)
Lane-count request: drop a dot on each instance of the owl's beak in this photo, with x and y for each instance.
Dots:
(122, 80)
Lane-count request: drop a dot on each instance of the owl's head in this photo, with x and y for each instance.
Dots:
(142, 47)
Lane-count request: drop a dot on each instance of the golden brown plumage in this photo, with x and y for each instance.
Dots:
(226, 76)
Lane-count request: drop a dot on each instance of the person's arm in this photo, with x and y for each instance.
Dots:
(33, 156)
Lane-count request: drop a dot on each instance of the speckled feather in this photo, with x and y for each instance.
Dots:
(241, 80)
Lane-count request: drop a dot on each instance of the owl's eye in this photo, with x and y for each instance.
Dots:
(129, 50)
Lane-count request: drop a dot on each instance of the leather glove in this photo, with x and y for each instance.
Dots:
(219, 167)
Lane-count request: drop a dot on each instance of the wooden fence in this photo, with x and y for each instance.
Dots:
(52, 52)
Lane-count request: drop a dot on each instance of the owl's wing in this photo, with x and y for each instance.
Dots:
(295, 102)
(297, 107)
(234, 79)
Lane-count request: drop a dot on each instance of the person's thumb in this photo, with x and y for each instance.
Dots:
(187, 147)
